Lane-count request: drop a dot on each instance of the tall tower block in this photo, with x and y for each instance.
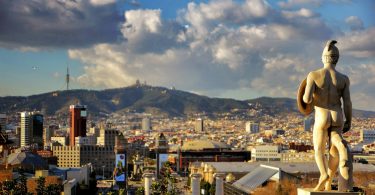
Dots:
(199, 125)
(78, 119)
(25, 129)
(31, 129)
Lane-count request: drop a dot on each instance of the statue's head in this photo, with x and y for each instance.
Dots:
(330, 53)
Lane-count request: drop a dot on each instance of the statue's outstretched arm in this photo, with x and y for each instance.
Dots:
(347, 106)
(309, 90)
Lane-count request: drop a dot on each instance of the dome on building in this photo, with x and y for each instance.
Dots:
(204, 145)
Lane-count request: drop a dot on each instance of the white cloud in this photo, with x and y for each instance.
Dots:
(359, 44)
(226, 57)
(141, 20)
(282, 75)
(257, 8)
(316, 3)
(294, 3)
(354, 22)
(45, 24)
(102, 2)
(217, 47)
(362, 81)
(303, 12)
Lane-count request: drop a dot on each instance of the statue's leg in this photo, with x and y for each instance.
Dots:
(333, 163)
(345, 162)
(320, 139)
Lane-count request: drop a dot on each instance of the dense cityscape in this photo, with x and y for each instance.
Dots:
(143, 153)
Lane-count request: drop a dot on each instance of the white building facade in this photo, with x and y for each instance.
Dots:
(26, 133)
(266, 153)
(252, 127)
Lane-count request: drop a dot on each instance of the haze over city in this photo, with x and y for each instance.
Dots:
(224, 48)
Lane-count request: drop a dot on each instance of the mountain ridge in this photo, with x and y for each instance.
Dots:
(145, 98)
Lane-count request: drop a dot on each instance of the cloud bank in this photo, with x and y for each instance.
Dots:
(32, 25)
(218, 45)
(224, 45)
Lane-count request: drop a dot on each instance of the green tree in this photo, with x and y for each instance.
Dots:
(54, 189)
(156, 188)
(8, 187)
(188, 182)
(21, 187)
(140, 191)
(213, 188)
(206, 186)
(121, 191)
(172, 192)
(40, 188)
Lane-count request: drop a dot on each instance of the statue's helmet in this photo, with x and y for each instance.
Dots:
(330, 52)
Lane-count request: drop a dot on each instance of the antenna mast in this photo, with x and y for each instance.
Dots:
(67, 78)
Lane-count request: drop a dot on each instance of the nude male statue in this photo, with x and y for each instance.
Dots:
(324, 89)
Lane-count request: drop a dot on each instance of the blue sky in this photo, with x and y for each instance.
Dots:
(220, 48)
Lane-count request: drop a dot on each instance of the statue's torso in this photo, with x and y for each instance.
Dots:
(329, 87)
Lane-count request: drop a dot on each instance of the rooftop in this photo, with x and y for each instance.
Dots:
(204, 145)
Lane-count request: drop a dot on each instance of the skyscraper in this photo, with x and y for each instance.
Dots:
(26, 134)
(146, 124)
(31, 128)
(47, 134)
(199, 127)
(3, 119)
(107, 136)
(78, 118)
(36, 120)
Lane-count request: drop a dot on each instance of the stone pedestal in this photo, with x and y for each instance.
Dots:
(309, 191)
(195, 183)
(148, 181)
(219, 188)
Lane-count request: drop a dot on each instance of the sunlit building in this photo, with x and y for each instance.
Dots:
(106, 136)
(199, 125)
(101, 157)
(146, 124)
(252, 127)
(31, 129)
(78, 118)
(266, 153)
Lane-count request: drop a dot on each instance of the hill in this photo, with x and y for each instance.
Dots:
(146, 99)
(134, 98)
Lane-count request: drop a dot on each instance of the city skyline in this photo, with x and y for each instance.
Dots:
(219, 48)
